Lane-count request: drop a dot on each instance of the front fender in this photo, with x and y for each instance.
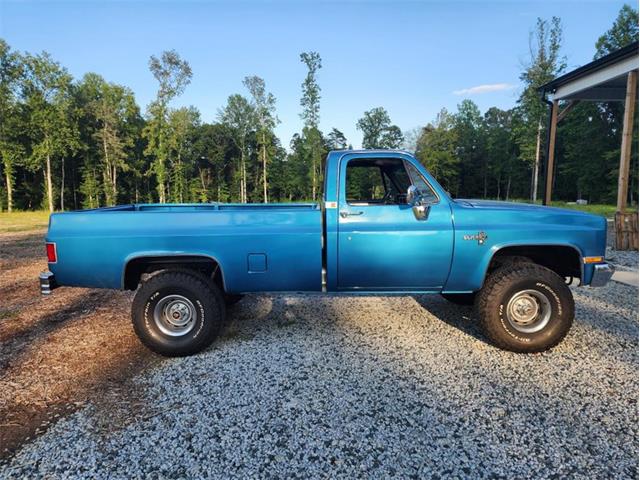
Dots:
(469, 268)
(479, 275)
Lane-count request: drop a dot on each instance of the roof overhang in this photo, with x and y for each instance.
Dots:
(602, 80)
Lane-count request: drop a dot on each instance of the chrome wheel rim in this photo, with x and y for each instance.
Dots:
(529, 311)
(174, 315)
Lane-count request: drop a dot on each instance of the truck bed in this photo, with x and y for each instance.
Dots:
(259, 247)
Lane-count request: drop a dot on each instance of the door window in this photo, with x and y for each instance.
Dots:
(383, 181)
(377, 181)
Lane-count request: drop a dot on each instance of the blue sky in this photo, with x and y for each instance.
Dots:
(413, 58)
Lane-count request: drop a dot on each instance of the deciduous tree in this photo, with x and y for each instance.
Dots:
(11, 148)
(545, 63)
(264, 106)
(173, 75)
(52, 127)
(240, 117)
(310, 103)
(377, 130)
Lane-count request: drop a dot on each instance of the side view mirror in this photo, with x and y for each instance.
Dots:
(419, 206)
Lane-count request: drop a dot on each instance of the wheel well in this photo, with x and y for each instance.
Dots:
(136, 268)
(562, 259)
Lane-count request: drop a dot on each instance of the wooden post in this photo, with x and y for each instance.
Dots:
(627, 138)
(551, 153)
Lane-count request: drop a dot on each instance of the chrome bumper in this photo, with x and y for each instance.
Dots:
(47, 282)
(602, 273)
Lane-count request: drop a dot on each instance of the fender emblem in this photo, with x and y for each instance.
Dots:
(481, 237)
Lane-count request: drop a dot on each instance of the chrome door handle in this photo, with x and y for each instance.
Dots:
(346, 213)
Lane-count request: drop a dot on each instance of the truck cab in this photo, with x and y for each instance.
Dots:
(378, 241)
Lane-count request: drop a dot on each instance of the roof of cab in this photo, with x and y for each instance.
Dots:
(375, 150)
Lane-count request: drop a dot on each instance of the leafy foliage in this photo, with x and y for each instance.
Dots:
(377, 130)
(623, 32)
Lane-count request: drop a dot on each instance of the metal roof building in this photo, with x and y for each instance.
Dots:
(613, 77)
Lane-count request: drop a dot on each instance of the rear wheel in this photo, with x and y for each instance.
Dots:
(177, 312)
(525, 307)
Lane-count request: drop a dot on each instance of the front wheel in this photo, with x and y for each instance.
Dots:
(525, 307)
(177, 312)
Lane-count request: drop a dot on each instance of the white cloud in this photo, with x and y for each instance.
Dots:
(493, 87)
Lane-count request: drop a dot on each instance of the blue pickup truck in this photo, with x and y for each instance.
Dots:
(385, 226)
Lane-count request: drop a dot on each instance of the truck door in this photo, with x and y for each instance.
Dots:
(381, 243)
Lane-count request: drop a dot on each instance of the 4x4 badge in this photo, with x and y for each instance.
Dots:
(480, 237)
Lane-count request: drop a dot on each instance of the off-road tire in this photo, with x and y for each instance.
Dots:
(465, 299)
(203, 294)
(502, 284)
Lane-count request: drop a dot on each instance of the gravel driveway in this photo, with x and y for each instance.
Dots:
(304, 386)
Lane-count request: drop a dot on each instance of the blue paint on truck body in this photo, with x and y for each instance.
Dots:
(279, 247)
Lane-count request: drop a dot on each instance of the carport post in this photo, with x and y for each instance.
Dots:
(627, 139)
(551, 153)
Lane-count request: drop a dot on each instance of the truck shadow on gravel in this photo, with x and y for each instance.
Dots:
(461, 317)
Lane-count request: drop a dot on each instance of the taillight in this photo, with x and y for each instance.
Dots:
(52, 255)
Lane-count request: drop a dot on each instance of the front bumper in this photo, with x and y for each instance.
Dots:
(602, 273)
(47, 282)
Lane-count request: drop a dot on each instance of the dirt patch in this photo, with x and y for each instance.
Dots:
(61, 351)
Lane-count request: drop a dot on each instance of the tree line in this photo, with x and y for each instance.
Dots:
(69, 144)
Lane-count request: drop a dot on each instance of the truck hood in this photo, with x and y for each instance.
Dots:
(524, 207)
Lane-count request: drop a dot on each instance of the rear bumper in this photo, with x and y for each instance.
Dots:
(47, 282)
(602, 273)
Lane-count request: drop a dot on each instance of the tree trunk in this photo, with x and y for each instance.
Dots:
(313, 180)
(204, 187)
(508, 188)
(107, 166)
(114, 183)
(534, 179)
(62, 187)
(264, 167)
(48, 182)
(485, 181)
(244, 180)
(241, 184)
(73, 187)
(9, 188)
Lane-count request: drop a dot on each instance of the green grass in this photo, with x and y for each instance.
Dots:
(603, 210)
(23, 221)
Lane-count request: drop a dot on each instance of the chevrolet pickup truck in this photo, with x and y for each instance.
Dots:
(385, 226)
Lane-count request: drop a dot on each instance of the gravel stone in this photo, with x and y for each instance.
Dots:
(624, 260)
(344, 387)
